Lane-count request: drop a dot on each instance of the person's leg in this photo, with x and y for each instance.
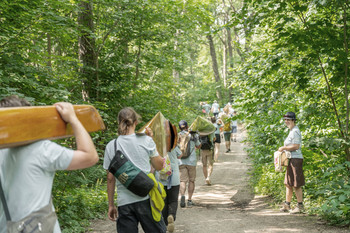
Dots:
(191, 183)
(173, 200)
(183, 182)
(165, 210)
(127, 221)
(204, 163)
(144, 215)
(217, 149)
(299, 194)
(289, 194)
(210, 162)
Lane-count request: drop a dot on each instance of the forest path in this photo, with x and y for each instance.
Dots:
(229, 204)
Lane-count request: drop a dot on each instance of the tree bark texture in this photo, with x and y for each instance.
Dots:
(87, 51)
(215, 65)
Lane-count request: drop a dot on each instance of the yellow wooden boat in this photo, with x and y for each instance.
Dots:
(24, 125)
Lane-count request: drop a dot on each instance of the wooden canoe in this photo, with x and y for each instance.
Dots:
(164, 133)
(24, 125)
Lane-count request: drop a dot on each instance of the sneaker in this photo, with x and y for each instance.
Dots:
(190, 203)
(297, 210)
(235, 140)
(182, 202)
(285, 207)
(171, 224)
(207, 181)
(228, 151)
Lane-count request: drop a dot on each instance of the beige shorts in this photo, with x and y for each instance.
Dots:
(187, 173)
(207, 156)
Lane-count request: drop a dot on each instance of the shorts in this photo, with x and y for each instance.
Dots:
(207, 155)
(294, 174)
(234, 129)
(217, 138)
(227, 136)
(187, 173)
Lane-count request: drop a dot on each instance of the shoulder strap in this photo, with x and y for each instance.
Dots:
(4, 203)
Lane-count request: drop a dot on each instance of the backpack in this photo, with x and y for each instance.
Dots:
(184, 144)
(206, 143)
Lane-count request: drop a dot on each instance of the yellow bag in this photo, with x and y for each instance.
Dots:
(157, 196)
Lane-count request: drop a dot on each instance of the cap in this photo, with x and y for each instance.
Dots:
(183, 124)
(289, 115)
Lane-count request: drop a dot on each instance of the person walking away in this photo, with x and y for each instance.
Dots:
(218, 124)
(27, 172)
(207, 109)
(187, 166)
(215, 108)
(234, 128)
(172, 188)
(227, 128)
(141, 151)
(207, 154)
(294, 177)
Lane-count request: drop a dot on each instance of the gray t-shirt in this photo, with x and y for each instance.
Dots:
(294, 137)
(27, 174)
(215, 107)
(139, 150)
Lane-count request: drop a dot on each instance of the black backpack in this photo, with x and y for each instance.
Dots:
(206, 143)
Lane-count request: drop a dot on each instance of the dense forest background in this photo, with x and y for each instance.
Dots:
(266, 57)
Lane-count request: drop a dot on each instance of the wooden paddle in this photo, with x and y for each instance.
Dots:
(24, 125)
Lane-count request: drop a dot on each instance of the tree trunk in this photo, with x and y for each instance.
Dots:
(87, 54)
(48, 49)
(215, 66)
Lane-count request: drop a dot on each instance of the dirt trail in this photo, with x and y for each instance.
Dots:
(229, 204)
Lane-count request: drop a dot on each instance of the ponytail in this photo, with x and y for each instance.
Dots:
(126, 118)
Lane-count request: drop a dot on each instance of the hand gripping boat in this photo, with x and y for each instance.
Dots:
(23, 125)
(164, 133)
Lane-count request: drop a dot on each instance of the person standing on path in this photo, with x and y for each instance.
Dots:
(294, 178)
(187, 166)
(172, 188)
(206, 108)
(227, 128)
(207, 154)
(218, 124)
(141, 151)
(27, 172)
(215, 108)
(234, 128)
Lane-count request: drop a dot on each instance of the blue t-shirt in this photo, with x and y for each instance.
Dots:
(294, 137)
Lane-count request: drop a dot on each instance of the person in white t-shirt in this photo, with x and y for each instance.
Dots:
(27, 172)
(215, 108)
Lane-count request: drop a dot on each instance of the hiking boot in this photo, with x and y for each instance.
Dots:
(285, 207)
(171, 224)
(297, 210)
(190, 203)
(182, 202)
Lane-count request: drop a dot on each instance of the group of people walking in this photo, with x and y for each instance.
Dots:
(27, 172)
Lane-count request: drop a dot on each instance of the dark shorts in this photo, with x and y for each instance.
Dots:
(294, 174)
(217, 138)
(129, 217)
(227, 136)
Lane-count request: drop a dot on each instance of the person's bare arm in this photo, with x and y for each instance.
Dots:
(85, 155)
(112, 209)
(292, 147)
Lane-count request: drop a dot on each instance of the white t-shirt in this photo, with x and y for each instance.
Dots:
(139, 150)
(215, 108)
(294, 137)
(27, 174)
